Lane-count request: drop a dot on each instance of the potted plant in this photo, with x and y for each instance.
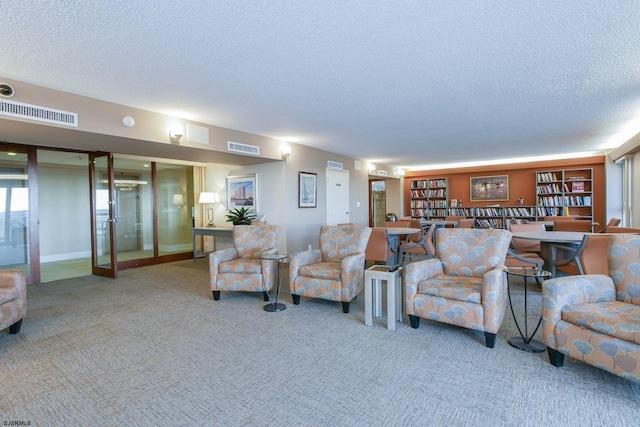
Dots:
(241, 216)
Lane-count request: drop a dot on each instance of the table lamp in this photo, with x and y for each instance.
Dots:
(207, 198)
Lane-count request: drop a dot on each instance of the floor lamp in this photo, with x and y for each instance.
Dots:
(207, 198)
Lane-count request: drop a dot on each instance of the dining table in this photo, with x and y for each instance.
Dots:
(440, 222)
(394, 239)
(548, 240)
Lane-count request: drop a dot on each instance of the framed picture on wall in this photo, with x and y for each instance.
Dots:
(489, 188)
(242, 191)
(307, 189)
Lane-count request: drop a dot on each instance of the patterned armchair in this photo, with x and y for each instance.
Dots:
(334, 272)
(465, 285)
(13, 299)
(240, 268)
(596, 318)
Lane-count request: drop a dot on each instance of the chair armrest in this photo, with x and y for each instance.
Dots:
(300, 259)
(416, 272)
(14, 279)
(494, 298)
(215, 258)
(562, 291)
(352, 275)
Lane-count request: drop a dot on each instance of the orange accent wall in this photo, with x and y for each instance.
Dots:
(522, 182)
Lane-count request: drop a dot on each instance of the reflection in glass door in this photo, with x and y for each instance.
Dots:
(14, 212)
(103, 225)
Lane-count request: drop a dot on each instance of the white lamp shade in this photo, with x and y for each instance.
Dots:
(208, 197)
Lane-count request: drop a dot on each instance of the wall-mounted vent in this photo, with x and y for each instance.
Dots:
(382, 173)
(236, 147)
(334, 165)
(35, 112)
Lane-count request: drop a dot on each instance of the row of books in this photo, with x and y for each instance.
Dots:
(429, 183)
(416, 194)
(547, 176)
(576, 187)
(564, 201)
(426, 204)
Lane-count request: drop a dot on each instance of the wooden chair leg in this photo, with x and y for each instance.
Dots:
(265, 296)
(216, 295)
(555, 357)
(490, 339)
(415, 321)
(296, 299)
(15, 328)
(345, 306)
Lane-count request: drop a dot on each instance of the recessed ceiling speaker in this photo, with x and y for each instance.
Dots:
(6, 90)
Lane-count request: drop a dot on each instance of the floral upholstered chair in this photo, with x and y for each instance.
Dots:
(595, 318)
(240, 268)
(334, 272)
(13, 299)
(465, 284)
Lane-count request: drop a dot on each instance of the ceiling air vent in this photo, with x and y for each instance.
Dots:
(236, 147)
(40, 114)
(334, 165)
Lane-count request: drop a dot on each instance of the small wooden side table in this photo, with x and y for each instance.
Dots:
(373, 277)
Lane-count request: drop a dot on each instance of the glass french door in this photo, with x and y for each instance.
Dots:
(103, 216)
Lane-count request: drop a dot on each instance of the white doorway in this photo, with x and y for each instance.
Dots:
(337, 196)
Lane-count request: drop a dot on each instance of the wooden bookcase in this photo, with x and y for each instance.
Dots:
(429, 198)
(565, 192)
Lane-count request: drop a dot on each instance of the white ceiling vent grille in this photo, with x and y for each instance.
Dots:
(236, 147)
(35, 112)
(334, 165)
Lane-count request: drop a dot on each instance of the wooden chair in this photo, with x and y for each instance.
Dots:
(524, 252)
(453, 218)
(590, 257)
(466, 223)
(613, 222)
(583, 225)
(423, 247)
(379, 249)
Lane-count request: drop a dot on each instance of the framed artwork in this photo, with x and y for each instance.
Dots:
(489, 188)
(242, 191)
(307, 190)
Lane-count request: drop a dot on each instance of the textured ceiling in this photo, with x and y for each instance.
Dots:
(406, 83)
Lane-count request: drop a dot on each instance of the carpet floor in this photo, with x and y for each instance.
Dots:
(152, 348)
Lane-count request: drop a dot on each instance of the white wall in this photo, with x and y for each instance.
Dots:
(278, 194)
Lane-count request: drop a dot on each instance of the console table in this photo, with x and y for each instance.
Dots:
(209, 231)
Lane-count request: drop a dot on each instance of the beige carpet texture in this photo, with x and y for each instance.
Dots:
(152, 348)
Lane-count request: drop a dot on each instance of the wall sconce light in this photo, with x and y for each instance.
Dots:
(285, 152)
(175, 133)
(371, 168)
(209, 198)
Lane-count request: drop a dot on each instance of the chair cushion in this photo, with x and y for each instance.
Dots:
(242, 266)
(322, 270)
(466, 289)
(8, 293)
(614, 318)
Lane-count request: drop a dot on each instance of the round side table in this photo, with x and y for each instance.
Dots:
(275, 306)
(525, 341)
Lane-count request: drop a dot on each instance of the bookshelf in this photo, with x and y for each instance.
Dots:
(429, 198)
(565, 192)
(492, 216)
